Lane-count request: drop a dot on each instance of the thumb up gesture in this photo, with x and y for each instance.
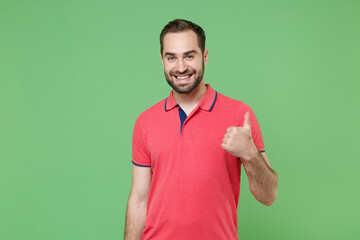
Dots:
(238, 140)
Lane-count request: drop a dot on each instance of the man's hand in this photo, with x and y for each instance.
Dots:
(238, 140)
(263, 180)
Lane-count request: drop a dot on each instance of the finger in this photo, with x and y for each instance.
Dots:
(223, 145)
(230, 129)
(247, 120)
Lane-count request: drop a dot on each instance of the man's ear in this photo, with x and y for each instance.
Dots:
(205, 56)
(162, 60)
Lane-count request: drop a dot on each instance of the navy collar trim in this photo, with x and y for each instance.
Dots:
(211, 107)
(213, 102)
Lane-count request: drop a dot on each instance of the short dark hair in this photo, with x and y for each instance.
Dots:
(181, 25)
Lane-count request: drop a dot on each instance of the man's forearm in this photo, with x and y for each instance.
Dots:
(263, 180)
(135, 220)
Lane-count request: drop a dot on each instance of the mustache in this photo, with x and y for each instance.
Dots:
(182, 73)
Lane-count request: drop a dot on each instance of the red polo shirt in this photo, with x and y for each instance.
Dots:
(195, 184)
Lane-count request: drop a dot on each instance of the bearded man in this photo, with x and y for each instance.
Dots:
(188, 150)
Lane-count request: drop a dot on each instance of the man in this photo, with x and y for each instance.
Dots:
(188, 150)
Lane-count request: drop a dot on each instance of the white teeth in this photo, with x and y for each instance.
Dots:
(183, 77)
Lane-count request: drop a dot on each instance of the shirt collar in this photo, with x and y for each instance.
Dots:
(207, 102)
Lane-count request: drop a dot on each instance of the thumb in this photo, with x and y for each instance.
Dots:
(247, 120)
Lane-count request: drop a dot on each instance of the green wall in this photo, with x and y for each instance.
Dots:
(74, 76)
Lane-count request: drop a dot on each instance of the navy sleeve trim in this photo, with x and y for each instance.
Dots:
(262, 151)
(140, 164)
(213, 102)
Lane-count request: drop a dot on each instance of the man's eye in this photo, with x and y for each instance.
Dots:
(189, 57)
(170, 58)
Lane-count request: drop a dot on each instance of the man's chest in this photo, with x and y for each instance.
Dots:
(200, 137)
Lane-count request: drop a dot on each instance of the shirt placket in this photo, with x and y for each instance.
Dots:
(184, 118)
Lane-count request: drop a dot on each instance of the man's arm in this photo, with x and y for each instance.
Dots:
(263, 181)
(136, 209)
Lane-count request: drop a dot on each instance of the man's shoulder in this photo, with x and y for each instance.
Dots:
(232, 103)
(153, 111)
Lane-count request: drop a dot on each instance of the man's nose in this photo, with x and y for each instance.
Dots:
(181, 66)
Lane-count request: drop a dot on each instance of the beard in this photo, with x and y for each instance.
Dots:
(185, 88)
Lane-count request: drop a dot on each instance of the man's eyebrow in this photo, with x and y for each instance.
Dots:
(191, 51)
(185, 53)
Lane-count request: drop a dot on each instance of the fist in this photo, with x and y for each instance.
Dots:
(238, 140)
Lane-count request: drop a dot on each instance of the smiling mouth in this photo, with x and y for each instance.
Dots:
(182, 77)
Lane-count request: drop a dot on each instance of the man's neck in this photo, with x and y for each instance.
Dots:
(190, 100)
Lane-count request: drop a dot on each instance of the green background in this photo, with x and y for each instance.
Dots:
(74, 76)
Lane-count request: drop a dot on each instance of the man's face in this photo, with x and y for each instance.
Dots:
(183, 61)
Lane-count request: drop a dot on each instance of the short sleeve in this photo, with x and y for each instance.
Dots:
(140, 155)
(255, 129)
